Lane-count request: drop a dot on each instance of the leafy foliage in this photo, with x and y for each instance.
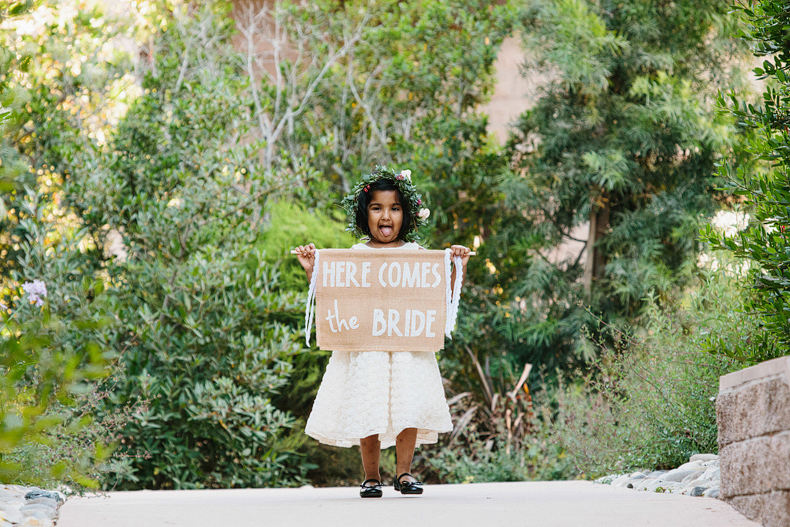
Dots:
(203, 344)
(650, 402)
(54, 353)
(157, 192)
(764, 245)
(504, 439)
(53, 350)
(618, 156)
(290, 221)
(45, 374)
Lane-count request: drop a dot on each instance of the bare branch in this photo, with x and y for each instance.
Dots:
(351, 84)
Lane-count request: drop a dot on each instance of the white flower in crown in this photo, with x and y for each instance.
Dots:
(405, 174)
(423, 214)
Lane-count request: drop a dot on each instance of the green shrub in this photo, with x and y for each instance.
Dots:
(497, 437)
(203, 335)
(290, 225)
(52, 355)
(651, 402)
(764, 244)
(537, 457)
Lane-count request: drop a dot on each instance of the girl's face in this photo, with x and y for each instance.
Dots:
(385, 216)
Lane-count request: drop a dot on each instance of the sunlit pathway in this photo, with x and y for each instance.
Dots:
(539, 504)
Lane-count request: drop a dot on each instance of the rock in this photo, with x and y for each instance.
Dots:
(689, 466)
(49, 502)
(617, 481)
(713, 472)
(691, 477)
(704, 457)
(7, 495)
(712, 492)
(38, 511)
(698, 491)
(36, 522)
(701, 476)
(38, 493)
(11, 514)
(18, 489)
(678, 474)
(645, 484)
(699, 482)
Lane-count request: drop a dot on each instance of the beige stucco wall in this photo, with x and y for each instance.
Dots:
(513, 93)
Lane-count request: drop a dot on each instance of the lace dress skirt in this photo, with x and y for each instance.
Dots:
(379, 392)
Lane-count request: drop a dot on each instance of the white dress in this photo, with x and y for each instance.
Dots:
(364, 393)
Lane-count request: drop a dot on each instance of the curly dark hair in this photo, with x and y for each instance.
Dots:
(365, 198)
(382, 178)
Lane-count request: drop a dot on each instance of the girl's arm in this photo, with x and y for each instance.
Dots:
(464, 253)
(306, 256)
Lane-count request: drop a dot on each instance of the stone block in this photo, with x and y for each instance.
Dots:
(753, 415)
(750, 506)
(769, 368)
(746, 467)
(780, 462)
(776, 509)
(753, 410)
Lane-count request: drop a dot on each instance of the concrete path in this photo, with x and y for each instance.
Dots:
(538, 504)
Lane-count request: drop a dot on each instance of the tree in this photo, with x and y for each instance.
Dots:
(202, 337)
(622, 143)
(342, 88)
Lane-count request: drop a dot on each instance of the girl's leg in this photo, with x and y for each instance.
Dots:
(404, 449)
(370, 448)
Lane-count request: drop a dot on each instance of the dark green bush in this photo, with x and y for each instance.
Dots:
(764, 244)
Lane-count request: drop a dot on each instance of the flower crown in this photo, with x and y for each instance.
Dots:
(402, 180)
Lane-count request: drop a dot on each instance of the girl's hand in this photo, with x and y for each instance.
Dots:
(306, 256)
(463, 252)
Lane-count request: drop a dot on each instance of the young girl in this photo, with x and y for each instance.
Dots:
(375, 399)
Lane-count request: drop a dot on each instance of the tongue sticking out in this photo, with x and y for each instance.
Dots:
(386, 231)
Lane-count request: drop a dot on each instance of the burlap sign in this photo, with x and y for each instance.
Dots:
(383, 300)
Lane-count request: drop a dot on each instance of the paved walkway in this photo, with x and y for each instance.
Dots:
(538, 504)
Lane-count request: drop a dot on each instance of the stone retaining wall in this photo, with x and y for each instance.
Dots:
(753, 414)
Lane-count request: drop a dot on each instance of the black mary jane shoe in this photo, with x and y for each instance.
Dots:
(407, 487)
(370, 491)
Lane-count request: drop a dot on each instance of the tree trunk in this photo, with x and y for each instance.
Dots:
(596, 259)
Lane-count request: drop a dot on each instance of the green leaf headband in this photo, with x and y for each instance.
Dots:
(402, 180)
